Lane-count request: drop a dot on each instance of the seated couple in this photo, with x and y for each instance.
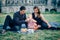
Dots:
(33, 21)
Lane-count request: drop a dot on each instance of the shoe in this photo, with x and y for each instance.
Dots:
(3, 31)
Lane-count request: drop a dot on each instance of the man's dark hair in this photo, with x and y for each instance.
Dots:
(22, 8)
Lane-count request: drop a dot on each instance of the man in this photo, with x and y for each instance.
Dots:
(18, 20)
(20, 17)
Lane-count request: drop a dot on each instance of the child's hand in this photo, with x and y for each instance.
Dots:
(34, 20)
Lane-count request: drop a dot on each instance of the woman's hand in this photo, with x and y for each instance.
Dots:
(49, 25)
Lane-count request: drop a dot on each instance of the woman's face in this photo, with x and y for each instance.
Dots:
(36, 10)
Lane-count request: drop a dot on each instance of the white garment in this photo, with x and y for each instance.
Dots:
(30, 31)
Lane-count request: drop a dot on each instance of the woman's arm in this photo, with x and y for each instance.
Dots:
(42, 17)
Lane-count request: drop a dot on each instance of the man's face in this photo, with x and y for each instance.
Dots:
(22, 12)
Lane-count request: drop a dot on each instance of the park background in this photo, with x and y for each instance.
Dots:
(49, 8)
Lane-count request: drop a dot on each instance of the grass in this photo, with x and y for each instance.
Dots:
(40, 35)
(3, 16)
(48, 17)
(52, 17)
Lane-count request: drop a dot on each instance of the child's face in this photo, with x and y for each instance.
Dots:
(30, 16)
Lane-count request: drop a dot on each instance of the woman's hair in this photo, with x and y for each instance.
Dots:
(38, 10)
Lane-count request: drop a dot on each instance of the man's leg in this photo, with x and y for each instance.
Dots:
(22, 25)
(8, 22)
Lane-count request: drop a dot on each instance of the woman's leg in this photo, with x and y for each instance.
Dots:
(44, 25)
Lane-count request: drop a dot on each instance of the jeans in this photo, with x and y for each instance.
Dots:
(19, 27)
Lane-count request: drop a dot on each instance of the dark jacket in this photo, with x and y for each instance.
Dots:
(18, 18)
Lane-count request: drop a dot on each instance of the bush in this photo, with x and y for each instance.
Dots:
(53, 11)
(46, 10)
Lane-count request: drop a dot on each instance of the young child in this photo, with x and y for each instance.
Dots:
(31, 23)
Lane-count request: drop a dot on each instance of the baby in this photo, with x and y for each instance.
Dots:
(31, 23)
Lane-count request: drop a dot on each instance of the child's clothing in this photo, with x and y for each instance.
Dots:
(31, 24)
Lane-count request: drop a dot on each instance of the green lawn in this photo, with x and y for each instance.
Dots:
(40, 35)
(48, 17)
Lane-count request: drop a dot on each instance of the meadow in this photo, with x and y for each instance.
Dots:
(39, 35)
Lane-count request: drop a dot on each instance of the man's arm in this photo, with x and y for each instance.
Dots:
(16, 19)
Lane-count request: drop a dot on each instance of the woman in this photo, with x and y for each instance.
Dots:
(40, 18)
